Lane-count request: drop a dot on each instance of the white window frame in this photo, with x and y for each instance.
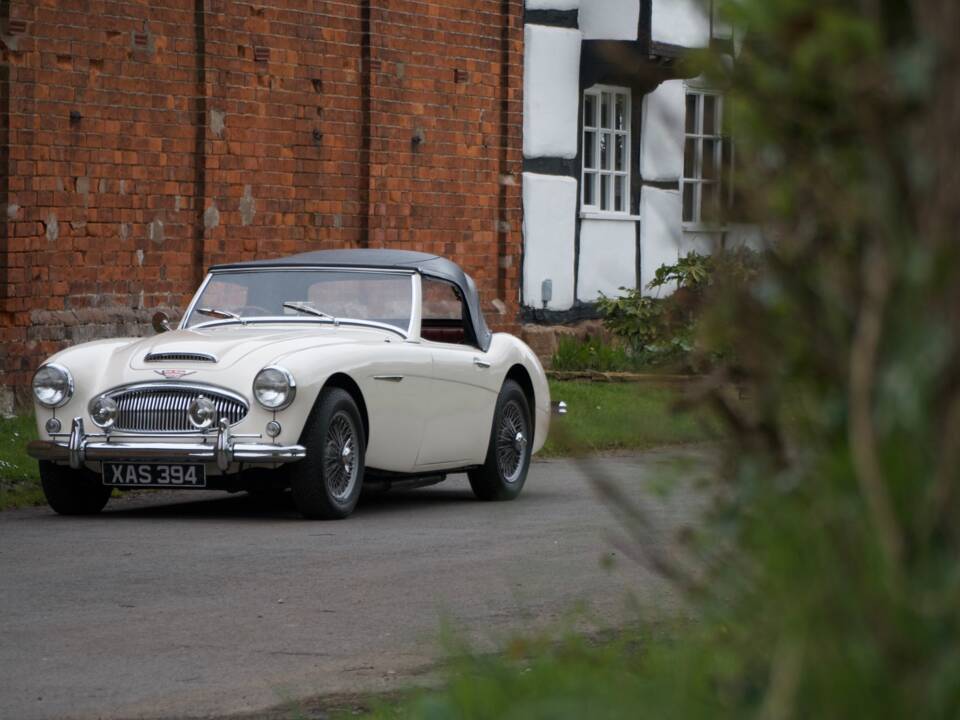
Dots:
(694, 176)
(593, 131)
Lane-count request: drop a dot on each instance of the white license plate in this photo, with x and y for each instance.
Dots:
(153, 475)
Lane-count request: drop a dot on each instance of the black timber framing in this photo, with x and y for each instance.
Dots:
(552, 18)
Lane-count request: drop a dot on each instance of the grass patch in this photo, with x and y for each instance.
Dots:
(620, 416)
(19, 478)
(628, 676)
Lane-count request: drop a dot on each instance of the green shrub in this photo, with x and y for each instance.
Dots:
(664, 331)
(591, 354)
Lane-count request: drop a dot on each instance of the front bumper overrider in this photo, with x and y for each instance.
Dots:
(217, 446)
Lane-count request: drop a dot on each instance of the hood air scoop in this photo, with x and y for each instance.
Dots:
(179, 357)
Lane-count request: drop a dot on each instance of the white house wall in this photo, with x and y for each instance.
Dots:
(680, 22)
(661, 232)
(661, 134)
(553, 4)
(551, 91)
(607, 254)
(549, 232)
(609, 19)
(608, 258)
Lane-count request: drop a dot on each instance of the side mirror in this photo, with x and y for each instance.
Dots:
(160, 321)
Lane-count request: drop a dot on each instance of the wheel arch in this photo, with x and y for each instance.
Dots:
(520, 375)
(349, 385)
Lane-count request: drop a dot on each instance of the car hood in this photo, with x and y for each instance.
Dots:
(231, 344)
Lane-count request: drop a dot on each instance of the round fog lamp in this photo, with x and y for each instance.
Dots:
(103, 411)
(273, 428)
(202, 412)
(53, 426)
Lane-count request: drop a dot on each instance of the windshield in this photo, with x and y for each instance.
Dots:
(323, 296)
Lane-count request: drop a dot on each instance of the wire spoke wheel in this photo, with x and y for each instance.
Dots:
(340, 464)
(511, 442)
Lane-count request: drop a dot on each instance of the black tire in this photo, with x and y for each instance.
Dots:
(326, 484)
(73, 492)
(503, 473)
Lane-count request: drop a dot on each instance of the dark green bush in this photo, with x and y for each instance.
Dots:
(664, 331)
(591, 353)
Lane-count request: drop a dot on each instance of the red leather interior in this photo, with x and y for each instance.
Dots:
(443, 334)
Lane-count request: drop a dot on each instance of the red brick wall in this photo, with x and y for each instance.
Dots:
(145, 141)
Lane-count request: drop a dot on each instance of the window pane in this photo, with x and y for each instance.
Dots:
(691, 114)
(590, 150)
(590, 110)
(710, 159)
(710, 115)
(604, 192)
(605, 151)
(621, 112)
(605, 110)
(708, 202)
(620, 155)
(618, 183)
(690, 158)
(688, 202)
(590, 189)
(727, 161)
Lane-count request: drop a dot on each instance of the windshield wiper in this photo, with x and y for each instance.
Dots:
(310, 310)
(218, 313)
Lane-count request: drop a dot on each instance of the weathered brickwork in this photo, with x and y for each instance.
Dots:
(143, 142)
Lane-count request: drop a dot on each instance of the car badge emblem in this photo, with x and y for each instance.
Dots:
(174, 374)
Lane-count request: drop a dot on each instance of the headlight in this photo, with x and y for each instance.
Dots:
(52, 385)
(202, 412)
(274, 388)
(103, 411)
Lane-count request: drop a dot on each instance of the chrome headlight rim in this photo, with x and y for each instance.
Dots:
(67, 395)
(290, 394)
(92, 411)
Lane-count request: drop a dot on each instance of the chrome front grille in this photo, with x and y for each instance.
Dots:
(163, 408)
(179, 357)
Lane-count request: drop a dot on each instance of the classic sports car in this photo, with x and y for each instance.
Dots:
(314, 372)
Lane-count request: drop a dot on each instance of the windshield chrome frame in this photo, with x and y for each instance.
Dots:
(406, 334)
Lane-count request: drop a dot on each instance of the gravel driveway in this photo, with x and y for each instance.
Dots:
(198, 604)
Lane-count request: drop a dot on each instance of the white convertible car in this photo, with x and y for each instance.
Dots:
(315, 372)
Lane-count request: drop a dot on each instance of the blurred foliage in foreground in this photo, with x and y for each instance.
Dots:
(827, 583)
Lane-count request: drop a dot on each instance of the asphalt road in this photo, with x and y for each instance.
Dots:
(197, 604)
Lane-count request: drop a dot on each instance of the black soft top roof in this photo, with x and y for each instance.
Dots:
(424, 263)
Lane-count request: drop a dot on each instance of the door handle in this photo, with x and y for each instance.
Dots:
(480, 363)
(389, 378)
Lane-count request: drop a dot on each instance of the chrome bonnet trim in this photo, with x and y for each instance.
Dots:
(172, 356)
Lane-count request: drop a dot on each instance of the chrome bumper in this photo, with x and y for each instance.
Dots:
(558, 407)
(224, 449)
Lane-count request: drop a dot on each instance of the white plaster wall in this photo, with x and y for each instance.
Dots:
(749, 236)
(551, 93)
(661, 134)
(549, 228)
(609, 19)
(553, 4)
(608, 258)
(680, 22)
(704, 243)
(661, 233)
